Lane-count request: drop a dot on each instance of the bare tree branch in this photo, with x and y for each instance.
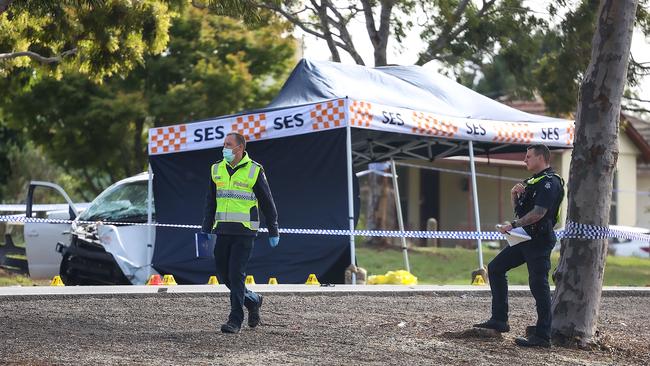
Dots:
(449, 32)
(332, 25)
(35, 56)
(637, 99)
(370, 21)
(327, 34)
(378, 37)
(346, 38)
(293, 19)
(447, 29)
(640, 65)
(631, 109)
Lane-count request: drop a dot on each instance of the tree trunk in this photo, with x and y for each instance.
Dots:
(582, 262)
(327, 33)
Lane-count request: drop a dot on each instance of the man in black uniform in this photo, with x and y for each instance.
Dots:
(237, 187)
(536, 203)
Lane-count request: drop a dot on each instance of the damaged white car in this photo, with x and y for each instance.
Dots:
(110, 242)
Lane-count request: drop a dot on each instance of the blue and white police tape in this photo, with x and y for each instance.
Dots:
(573, 230)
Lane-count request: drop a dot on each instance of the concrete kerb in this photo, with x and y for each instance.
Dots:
(18, 293)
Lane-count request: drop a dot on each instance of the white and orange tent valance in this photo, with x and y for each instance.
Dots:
(339, 113)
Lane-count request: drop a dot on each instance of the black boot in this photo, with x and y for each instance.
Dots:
(230, 328)
(533, 341)
(254, 314)
(531, 330)
(499, 326)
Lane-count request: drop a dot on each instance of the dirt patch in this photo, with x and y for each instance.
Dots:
(477, 333)
(303, 330)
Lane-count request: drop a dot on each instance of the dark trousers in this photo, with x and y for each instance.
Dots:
(537, 256)
(231, 254)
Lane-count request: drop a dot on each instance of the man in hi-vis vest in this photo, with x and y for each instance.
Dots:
(237, 187)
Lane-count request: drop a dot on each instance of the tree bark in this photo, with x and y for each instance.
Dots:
(582, 261)
(325, 27)
(378, 38)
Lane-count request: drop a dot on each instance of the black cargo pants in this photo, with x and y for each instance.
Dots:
(536, 253)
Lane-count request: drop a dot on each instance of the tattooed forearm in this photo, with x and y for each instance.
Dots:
(532, 217)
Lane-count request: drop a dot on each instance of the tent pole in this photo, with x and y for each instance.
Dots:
(477, 219)
(400, 219)
(353, 261)
(150, 226)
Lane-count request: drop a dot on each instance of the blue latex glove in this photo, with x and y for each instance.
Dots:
(273, 241)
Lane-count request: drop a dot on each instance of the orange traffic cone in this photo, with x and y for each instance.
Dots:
(155, 280)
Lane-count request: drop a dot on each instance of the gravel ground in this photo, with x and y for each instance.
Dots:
(299, 330)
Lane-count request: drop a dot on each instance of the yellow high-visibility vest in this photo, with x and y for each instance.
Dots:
(235, 196)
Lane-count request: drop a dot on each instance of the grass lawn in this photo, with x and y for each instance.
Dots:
(453, 266)
(445, 266)
(10, 279)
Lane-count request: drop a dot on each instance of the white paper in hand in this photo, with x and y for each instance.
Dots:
(516, 236)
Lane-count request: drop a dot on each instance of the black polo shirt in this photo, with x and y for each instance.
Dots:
(548, 193)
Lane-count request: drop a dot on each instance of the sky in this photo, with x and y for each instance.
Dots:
(407, 52)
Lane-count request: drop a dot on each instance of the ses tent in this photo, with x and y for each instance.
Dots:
(328, 120)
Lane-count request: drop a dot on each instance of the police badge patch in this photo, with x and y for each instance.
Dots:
(547, 185)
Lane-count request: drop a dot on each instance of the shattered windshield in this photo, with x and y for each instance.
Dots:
(124, 203)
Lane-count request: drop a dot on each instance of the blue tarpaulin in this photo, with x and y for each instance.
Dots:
(307, 175)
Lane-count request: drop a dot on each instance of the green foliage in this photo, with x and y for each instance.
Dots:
(97, 132)
(82, 125)
(504, 25)
(245, 10)
(453, 266)
(549, 60)
(101, 38)
(559, 71)
(214, 66)
(25, 163)
(10, 279)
